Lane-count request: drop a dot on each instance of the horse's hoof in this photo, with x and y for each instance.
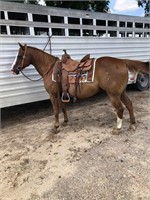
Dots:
(115, 131)
(64, 124)
(132, 127)
(54, 130)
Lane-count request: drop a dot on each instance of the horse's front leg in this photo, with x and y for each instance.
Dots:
(63, 107)
(55, 104)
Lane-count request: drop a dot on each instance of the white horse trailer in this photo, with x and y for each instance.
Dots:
(79, 32)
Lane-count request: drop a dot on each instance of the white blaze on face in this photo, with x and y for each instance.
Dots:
(119, 123)
(14, 62)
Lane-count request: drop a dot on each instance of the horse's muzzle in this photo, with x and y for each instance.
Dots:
(16, 70)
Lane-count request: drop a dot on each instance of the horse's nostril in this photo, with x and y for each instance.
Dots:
(16, 71)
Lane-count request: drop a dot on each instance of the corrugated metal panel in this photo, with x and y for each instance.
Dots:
(16, 90)
(135, 48)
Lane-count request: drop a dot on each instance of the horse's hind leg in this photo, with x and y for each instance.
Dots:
(116, 102)
(127, 102)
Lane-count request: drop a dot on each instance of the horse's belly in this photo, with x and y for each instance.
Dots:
(84, 90)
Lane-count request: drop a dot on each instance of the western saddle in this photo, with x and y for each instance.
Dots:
(66, 66)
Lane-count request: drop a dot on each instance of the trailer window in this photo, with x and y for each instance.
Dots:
(72, 20)
(147, 26)
(57, 19)
(87, 33)
(138, 34)
(129, 24)
(147, 34)
(129, 34)
(101, 22)
(18, 30)
(101, 33)
(2, 15)
(3, 30)
(41, 31)
(58, 31)
(122, 24)
(112, 33)
(138, 25)
(74, 32)
(87, 21)
(18, 16)
(112, 23)
(122, 34)
(40, 18)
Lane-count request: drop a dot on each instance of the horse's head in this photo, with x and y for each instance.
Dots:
(21, 61)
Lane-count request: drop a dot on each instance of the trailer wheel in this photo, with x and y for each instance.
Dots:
(142, 82)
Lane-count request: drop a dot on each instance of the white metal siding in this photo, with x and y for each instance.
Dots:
(16, 90)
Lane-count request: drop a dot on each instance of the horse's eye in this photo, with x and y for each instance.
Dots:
(19, 56)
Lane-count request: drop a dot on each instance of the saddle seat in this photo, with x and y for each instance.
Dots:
(70, 65)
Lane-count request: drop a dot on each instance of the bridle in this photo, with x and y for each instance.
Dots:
(24, 56)
(22, 63)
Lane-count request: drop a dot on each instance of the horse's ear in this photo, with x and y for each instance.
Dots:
(21, 46)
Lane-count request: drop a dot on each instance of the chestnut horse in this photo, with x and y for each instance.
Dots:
(111, 75)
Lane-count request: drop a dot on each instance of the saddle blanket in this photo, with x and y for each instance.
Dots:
(85, 76)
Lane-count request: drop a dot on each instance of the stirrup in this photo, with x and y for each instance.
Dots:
(65, 100)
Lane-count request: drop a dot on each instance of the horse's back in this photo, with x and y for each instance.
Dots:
(107, 62)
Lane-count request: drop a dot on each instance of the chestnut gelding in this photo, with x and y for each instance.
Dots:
(110, 75)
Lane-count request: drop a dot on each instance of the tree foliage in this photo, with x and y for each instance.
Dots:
(100, 6)
(145, 4)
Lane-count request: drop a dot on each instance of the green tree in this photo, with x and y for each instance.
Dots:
(146, 5)
(100, 6)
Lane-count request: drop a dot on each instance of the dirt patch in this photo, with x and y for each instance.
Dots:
(83, 161)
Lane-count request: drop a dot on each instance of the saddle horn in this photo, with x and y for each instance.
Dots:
(65, 51)
(65, 56)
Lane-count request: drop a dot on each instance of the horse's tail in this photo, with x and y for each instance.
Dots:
(139, 66)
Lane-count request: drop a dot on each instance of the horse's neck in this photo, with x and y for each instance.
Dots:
(42, 61)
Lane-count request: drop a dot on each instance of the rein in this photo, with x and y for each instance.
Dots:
(49, 41)
(24, 55)
(30, 78)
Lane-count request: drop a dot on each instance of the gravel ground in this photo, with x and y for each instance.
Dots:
(84, 161)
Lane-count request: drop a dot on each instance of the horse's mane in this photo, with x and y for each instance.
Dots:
(41, 51)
